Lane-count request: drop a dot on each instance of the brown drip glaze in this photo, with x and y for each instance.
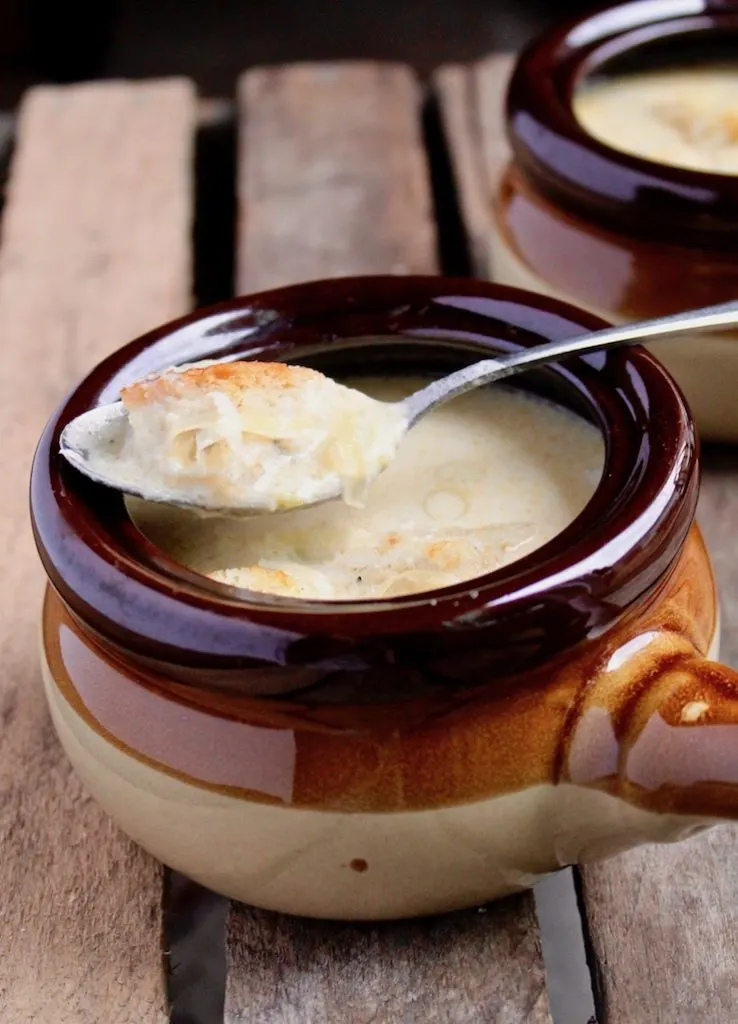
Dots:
(581, 721)
(629, 277)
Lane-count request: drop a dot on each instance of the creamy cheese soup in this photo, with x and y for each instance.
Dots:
(479, 482)
(684, 117)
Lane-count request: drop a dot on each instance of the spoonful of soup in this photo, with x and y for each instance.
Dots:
(241, 438)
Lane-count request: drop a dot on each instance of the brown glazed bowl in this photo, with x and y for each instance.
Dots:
(623, 237)
(377, 759)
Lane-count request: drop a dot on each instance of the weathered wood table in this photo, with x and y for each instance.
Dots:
(119, 214)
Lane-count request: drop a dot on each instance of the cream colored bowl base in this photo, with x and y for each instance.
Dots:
(705, 366)
(353, 866)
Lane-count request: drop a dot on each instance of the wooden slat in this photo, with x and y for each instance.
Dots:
(333, 181)
(332, 177)
(663, 919)
(663, 922)
(95, 250)
(478, 965)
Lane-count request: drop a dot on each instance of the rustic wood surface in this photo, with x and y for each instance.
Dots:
(333, 181)
(95, 250)
(663, 919)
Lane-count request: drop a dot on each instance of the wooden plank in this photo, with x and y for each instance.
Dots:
(477, 965)
(332, 175)
(333, 180)
(95, 250)
(663, 919)
(662, 922)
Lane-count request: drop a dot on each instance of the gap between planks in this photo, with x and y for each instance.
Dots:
(662, 920)
(95, 250)
(333, 180)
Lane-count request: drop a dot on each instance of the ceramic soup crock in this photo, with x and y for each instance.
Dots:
(621, 236)
(378, 759)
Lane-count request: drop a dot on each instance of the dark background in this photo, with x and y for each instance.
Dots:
(211, 41)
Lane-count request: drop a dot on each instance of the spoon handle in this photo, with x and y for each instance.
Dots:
(489, 370)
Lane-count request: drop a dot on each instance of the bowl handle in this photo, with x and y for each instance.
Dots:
(662, 733)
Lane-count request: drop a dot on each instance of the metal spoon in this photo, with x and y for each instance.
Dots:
(106, 424)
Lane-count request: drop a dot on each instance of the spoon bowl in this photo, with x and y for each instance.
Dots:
(105, 429)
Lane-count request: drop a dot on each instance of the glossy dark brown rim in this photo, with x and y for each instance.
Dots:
(647, 199)
(618, 549)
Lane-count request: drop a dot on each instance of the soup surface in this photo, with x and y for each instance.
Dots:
(684, 117)
(478, 483)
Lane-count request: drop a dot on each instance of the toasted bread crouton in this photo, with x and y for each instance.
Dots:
(301, 581)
